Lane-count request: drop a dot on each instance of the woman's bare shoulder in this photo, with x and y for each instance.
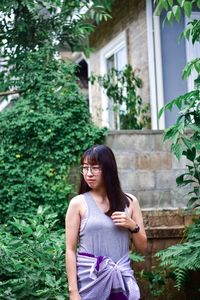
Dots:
(77, 203)
(132, 198)
(134, 207)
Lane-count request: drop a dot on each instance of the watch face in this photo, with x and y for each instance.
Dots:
(136, 229)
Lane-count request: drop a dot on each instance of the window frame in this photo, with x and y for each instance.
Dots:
(155, 63)
(120, 41)
(190, 80)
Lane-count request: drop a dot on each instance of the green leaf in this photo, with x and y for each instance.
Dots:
(180, 37)
(180, 179)
(192, 201)
(191, 154)
(170, 2)
(187, 8)
(165, 4)
(187, 33)
(177, 149)
(197, 145)
(161, 112)
(187, 142)
(188, 181)
(175, 138)
(59, 297)
(180, 2)
(194, 127)
(169, 132)
(170, 17)
(179, 102)
(159, 8)
(169, 105)
(136, 257)
(177, 12)
(50, 280)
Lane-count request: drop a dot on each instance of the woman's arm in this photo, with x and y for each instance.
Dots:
(72, 224)
(139, 239)
(122, 219)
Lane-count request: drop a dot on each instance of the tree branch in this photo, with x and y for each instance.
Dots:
(7, 93)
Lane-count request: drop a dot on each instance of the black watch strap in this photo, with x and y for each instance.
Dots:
(136, 229)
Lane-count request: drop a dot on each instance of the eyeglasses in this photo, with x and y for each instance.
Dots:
(95, 170)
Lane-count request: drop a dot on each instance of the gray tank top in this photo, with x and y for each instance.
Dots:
(99, 235)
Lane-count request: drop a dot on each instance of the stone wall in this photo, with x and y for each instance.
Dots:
(164, 228)
(128, 15)
(147, 169)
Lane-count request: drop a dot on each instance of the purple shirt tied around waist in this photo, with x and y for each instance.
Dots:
(99, 278)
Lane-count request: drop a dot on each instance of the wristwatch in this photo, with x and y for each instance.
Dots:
(136, 229)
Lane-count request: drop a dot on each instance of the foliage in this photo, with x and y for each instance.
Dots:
(48, 125)
(136, 257)
(185, 257)
(28, 25)
(185, 138)
(192, 29)
(42, 134)
(156, 279)
(185, 134)
(32, 258)
(175, 8)
(121, 87)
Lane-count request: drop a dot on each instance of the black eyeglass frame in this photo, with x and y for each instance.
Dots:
(93, 169)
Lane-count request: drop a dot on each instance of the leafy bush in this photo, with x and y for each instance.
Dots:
(185, 133)
(32, 264)
(136, 257)
(183, 258)
(48, 126)
(185, 137)
(28, 25)
(121, 87)
(156, 281)
(42, 135)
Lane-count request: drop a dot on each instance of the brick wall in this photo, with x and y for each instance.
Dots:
(129, 15)
(165, 228)
(147, 169)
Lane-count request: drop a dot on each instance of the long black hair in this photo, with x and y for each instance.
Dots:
(102, 155)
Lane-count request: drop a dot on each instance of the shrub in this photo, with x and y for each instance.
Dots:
(32, 262)
(42, 135)
(185, 137)
(121, 87)
(183, 258)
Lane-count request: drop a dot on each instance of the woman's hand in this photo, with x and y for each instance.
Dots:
(123, 220)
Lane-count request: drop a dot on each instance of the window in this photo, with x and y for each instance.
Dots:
(192, 51)
(113, 55)
(167, 58)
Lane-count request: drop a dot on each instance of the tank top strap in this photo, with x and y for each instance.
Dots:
(92, 207)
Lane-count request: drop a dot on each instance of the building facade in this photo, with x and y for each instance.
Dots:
(135, 35)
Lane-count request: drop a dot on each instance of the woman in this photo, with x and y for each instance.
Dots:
(102, 219)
